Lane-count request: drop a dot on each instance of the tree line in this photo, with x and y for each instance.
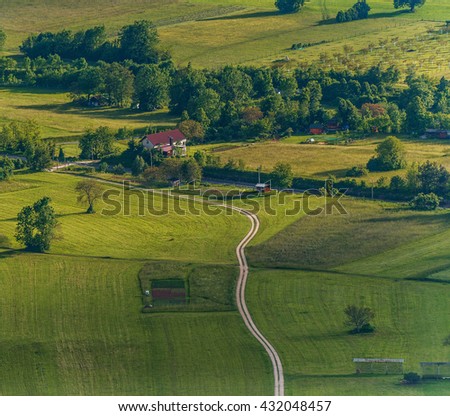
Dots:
(138, 42)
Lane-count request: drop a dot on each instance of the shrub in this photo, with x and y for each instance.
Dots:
(411, 378)
(425, 202)
(289, 6)
(397, 183)
(19, 163)
(357, 172)
(119, 169)
(6, 168)
(103, 167)
(359, 10)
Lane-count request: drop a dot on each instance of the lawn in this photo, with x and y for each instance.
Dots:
(379, 255)
(303, 318)
(72, 318)
(162, 234)
(73, 326)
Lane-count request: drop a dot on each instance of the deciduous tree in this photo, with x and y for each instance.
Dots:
(36, 224)
(289, 6)
(412, 4)
(88, 191)
(358, 317)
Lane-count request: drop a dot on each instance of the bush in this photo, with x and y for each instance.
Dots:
(357, 172)
(359, 10)
(289, 6)
(103, 167)
(411, 378)
(119, 169)
(6, 168)
(397, 184)
(425, 202)
(19, 163)
(365, 329)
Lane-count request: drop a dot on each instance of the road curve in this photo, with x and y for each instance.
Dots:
(242, 306)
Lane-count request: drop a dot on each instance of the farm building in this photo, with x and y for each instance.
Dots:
(316, 129)
(333, 126)
(263, 187)
(170, 142)
(437, 134)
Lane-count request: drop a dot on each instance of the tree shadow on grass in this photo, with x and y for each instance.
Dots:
(9, 252)
(424, 219)
(253, 15)
(102, 112)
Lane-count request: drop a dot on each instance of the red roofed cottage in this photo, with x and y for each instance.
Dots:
(170, 142)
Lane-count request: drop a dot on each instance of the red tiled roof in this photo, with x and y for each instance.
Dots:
(164, 137)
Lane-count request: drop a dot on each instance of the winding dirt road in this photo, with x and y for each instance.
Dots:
(242, 306)
(240, 287)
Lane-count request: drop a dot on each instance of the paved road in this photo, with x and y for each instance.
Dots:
(240, 288)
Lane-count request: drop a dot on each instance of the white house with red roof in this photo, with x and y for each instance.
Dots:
(170, 142)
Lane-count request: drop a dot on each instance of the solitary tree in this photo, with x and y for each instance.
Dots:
(412, 4)
(61, 155)
(88, 191)
(358, 317)
(289, 6)
(282, 175)
(390, 156)
(36, 224)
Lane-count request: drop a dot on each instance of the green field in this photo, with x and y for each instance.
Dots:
(72, 321)
(391, 260)
(212, 33)
(215, 33)
(58, 118)
(321, 160)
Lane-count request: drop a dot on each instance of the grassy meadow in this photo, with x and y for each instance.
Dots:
(58, 118)
(321, 160)
(381, 256)
(72, 318)
(72, 321)
(214, 33)
(73, 326)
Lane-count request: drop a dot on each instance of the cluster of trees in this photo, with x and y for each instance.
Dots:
(25, 138)
(173, 169)
(138, 42)
(289, 6)
(6, 168)
(359, 10)
(246, 102)
(412, 4)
